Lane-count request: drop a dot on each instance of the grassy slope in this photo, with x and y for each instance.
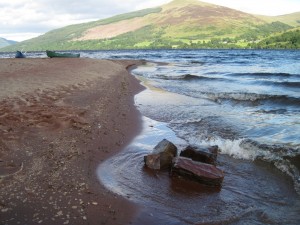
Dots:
(292, 19)
(179, 23)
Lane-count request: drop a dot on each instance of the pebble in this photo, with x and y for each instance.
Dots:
(84, 217)
(4, 210)
(95, 203)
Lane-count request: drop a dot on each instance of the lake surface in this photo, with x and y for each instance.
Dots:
(245, 101)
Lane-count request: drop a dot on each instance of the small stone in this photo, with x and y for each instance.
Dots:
(84, 218)
(95, 203)
(60, 213)
(74, 207)
(4, 210)
(66, 222)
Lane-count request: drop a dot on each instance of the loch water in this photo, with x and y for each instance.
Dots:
(245, 101)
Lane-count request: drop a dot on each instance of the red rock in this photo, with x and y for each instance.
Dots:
(198, 171)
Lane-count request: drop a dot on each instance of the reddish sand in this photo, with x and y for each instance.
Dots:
(60, 118)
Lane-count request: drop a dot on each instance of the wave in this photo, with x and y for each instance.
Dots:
(287, 84)
(253, 99)
(187, 77)
(197, 62)
(273, 111)
(263, 75)
(285, 159)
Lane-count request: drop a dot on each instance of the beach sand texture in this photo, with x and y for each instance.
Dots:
(60, 118)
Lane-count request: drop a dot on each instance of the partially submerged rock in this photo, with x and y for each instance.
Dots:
(200, 154)
(162, 155)
(152, 161)
(201, 172)
(195, 162)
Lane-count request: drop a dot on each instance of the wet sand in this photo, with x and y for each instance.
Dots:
(60, 118)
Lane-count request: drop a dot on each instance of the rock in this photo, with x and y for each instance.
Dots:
(166, 147)
(198, 171)
(162, 155)
(152, 161)
(201, 154)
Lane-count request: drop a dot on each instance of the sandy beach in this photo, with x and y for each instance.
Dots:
(60, 118)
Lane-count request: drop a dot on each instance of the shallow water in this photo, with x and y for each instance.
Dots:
(252, 192)
(246, 102)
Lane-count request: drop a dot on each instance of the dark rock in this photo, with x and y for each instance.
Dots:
(198, 171)
(200, 154)
(152, 161)
(165, 146)
(162, 155)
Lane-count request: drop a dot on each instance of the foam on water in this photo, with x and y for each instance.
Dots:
(233, 148)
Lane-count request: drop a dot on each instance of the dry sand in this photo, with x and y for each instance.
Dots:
(60, 118)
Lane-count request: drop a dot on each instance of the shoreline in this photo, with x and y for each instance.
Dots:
(59, 119)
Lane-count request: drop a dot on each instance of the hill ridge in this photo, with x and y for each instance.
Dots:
(5, 42)
(178, 24)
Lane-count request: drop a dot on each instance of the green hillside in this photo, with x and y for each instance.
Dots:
(179, 24)
(290, 39)
(292, 19)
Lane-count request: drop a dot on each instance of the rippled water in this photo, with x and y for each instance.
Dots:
(252, 193)
(245, 101)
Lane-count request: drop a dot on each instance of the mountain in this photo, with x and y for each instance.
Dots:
(4, 42)
(178, 24)
(292, 19)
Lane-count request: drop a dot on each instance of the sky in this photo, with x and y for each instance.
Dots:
(25, 19)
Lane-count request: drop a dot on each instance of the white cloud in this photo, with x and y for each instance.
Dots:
(40, 16)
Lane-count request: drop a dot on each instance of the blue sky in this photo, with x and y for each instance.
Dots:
(24, 19)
